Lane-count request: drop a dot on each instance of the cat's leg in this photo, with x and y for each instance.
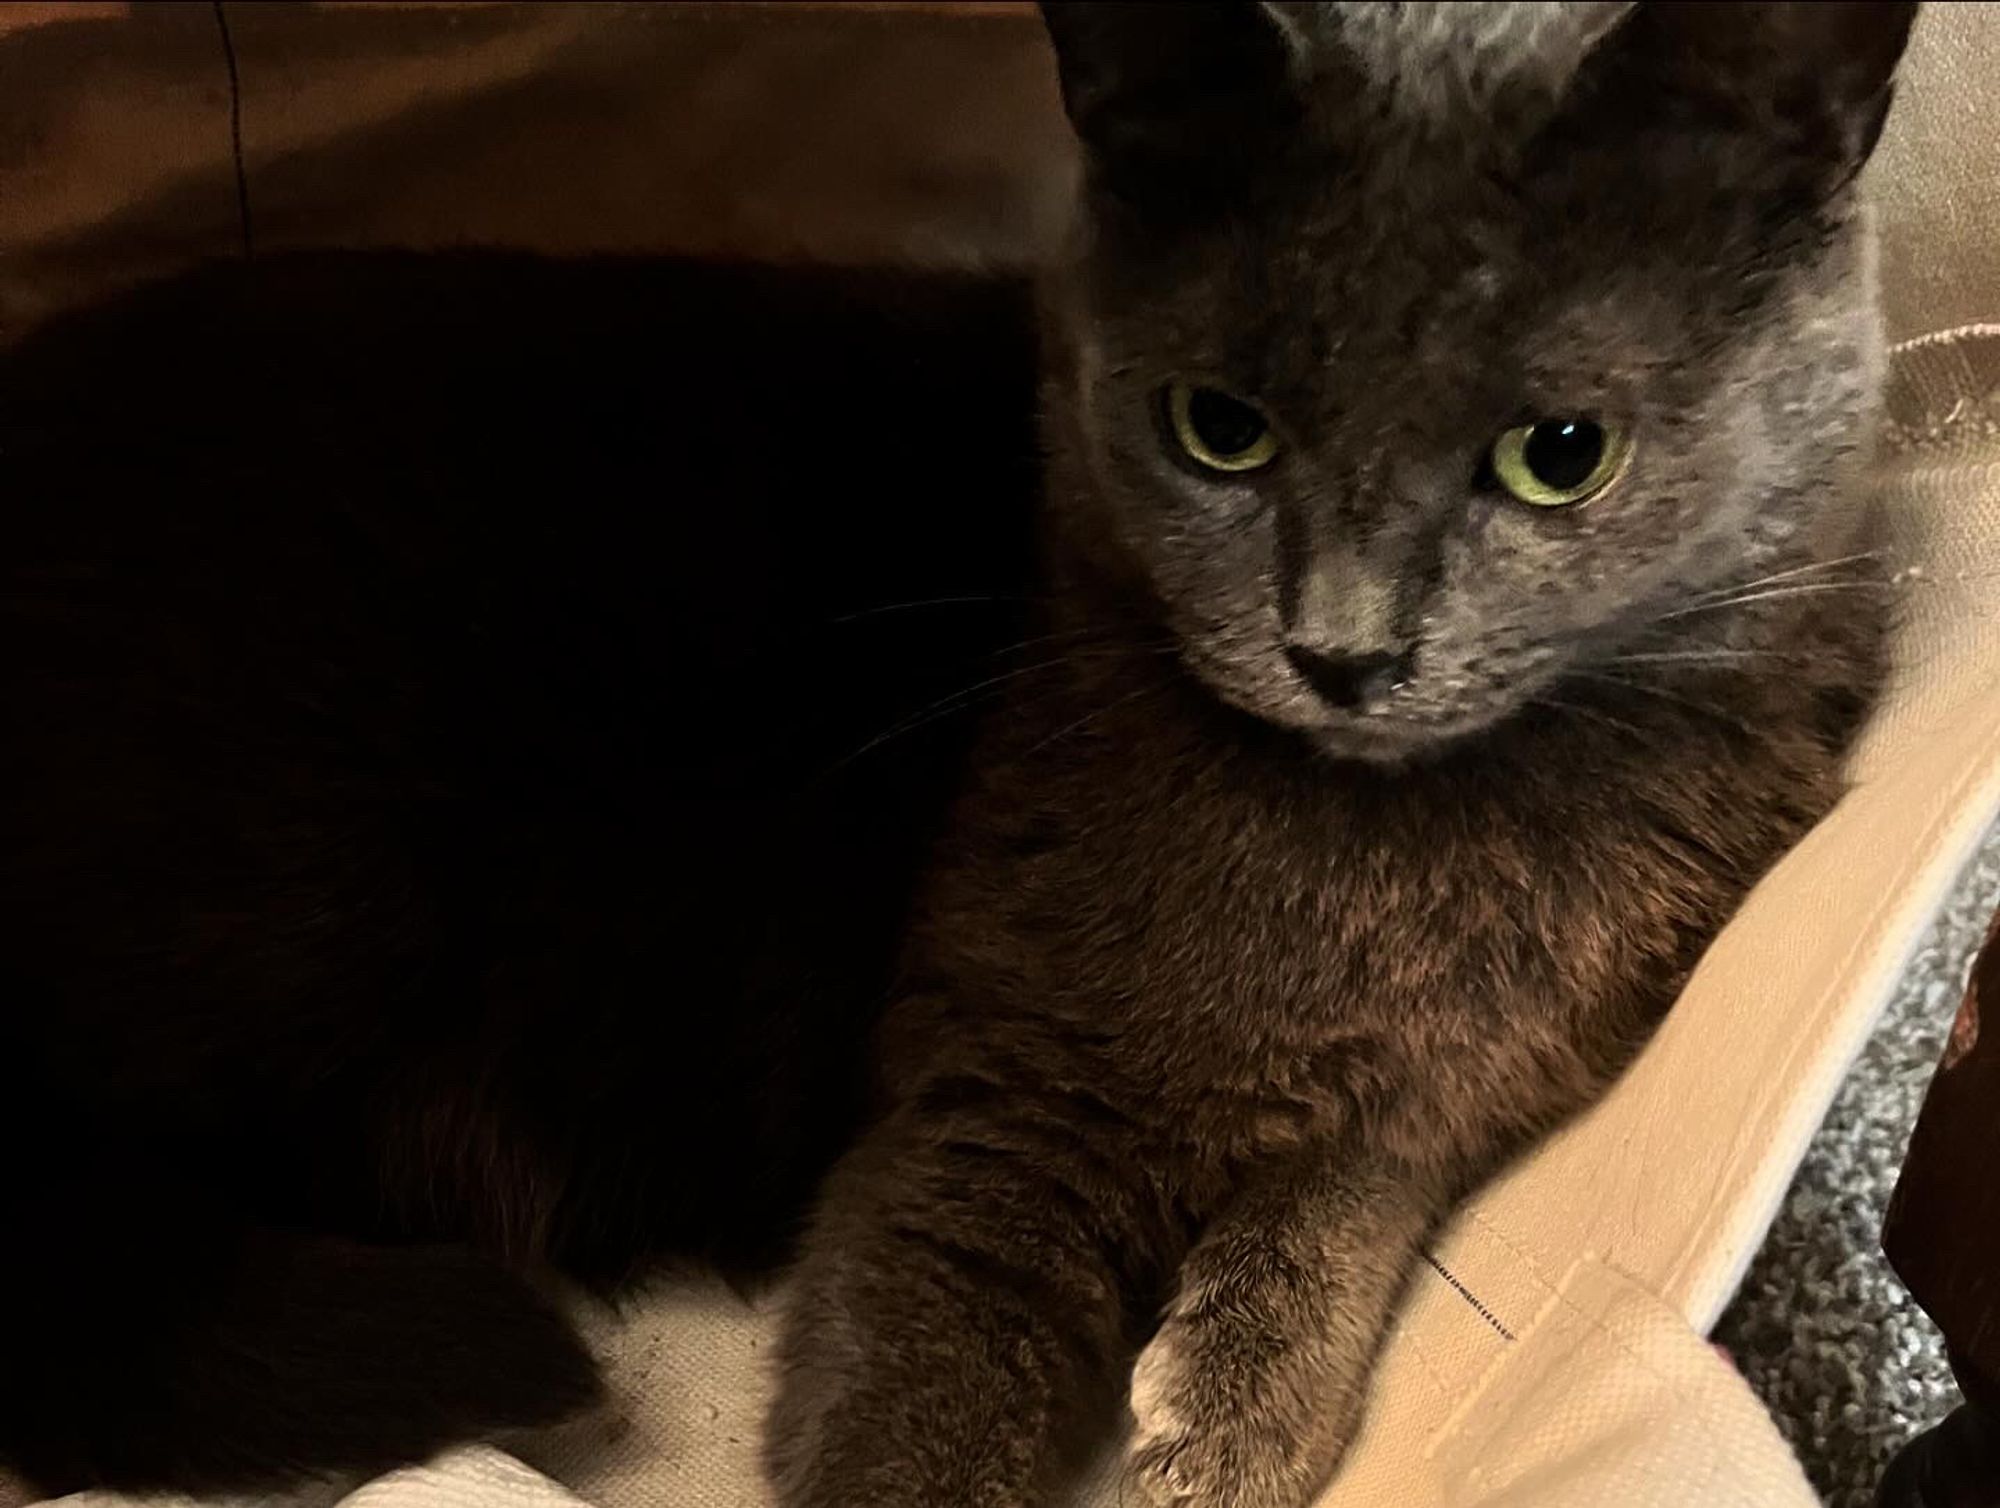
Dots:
(1253, 1386)
(959, 1322)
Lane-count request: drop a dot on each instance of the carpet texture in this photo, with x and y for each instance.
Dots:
(1822, 1330)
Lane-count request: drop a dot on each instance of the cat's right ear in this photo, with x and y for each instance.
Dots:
(1171, 102)
(1806, 84)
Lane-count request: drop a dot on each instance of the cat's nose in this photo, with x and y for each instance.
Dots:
(1350, 682)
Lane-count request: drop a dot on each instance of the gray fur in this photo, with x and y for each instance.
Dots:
(1211, 1017)
(1444, 59)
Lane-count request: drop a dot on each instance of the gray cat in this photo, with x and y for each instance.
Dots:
(1455, 419)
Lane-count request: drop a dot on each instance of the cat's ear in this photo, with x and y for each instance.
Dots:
(1811, 79)
(1171, 102)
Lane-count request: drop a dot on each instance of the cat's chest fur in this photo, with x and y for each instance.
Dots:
(1236, 945)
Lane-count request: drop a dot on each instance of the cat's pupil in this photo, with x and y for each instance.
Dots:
(1563, 454)
(1225, 426)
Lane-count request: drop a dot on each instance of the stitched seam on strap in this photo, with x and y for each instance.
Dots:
(1466, 1293)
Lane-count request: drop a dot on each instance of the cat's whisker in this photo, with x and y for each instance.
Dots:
(1775, 594)
(988, 689)
(1719, 658)
(943, 707)
(1084, 634)
(1704, 709)
(1776, 577)
(1095, 714)
(916, 604)
(1590, 714)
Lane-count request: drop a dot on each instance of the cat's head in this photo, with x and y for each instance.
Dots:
(1411, 355)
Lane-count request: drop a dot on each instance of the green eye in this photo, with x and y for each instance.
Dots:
(1560, 462)
(1219, 431)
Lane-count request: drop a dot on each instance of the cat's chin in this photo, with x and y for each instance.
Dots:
(1382, 738)
(1393, 743)
(1384, 741)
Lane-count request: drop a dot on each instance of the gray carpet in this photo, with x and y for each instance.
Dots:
(1822, 1330)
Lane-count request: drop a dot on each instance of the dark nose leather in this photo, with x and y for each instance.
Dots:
(1348, 681)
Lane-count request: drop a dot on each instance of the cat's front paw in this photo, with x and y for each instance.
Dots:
(1161, 1467)
(1208, 1433)
(1183, 1451)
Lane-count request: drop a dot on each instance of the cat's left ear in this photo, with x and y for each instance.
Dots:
(1173, 102)
(1809, 80)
